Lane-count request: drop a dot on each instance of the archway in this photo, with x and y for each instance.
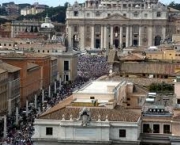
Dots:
(157, 40)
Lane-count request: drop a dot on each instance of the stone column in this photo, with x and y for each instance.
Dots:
(130, 40)
(81, 37)
(102, 37)
(70, 37)
(140, 36)
(163, 33)
(27, 105)
(150, 36)
(55, 89)
(9, 107)
(17, 115)
(92, 36)
(59, 83)
(127, 36)
(121, 37)
(105, 37)
(111, 36)
(35, 101)
(5, 126)
(49, 91)
(42, 96)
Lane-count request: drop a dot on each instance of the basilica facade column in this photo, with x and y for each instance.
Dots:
(92, 36)
(111, 38)
(140, 36)
(130, 39)
(102, 37)
(150, 36)
(120, 36)
(127, 36)
(105, 37)
(81, 37)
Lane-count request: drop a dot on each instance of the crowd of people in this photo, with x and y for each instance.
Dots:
(89, 67)
(92, 66)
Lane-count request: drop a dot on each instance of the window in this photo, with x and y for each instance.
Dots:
(156, 128)
(4, 44)
(128, 99)
(108, 14)
(146, 128)
(122, 133)
(9, 44)
(158, 14)
(97, 13)
(178, 101)
(124, 15)
(49, 131)
(75, 28)
(166, 128)
(66, 65)
(145, 15)
(75, 13)
(92, 97)
(88, 14)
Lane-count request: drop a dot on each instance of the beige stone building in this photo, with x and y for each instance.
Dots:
(3, 90)
(119, 24)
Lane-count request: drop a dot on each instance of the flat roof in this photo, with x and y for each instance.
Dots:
(89, 101)
(98, 87)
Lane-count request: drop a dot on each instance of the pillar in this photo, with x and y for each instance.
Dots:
(102, 37)
(9, 107)
(121, 37)
(55, 89)
(130, 39)
(17, 115)
(59, 83)
(70, 37)
(27, 105)
(163, 33)
(105, 37)
(81, 37)
(49, 91)
(140, 36)
(5, 126)
(92, 37)
(150, 36)
(111, 36)
(35, 101)
(42, 96)
(127, 36)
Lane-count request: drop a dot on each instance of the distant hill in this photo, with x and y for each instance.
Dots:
(57, 14)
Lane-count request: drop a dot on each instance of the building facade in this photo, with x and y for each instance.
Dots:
(3, 91)
(30, 75)
(13, 85)
(119, 24)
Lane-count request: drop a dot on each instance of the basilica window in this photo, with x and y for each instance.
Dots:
(75, 13)
(124, 15)
(108, 14)
(88, 14)
(158, 14)
(145, 15)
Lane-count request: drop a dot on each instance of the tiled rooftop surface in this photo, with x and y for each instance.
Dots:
(117, 114)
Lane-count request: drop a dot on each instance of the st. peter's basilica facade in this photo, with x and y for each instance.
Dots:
(116, 23)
